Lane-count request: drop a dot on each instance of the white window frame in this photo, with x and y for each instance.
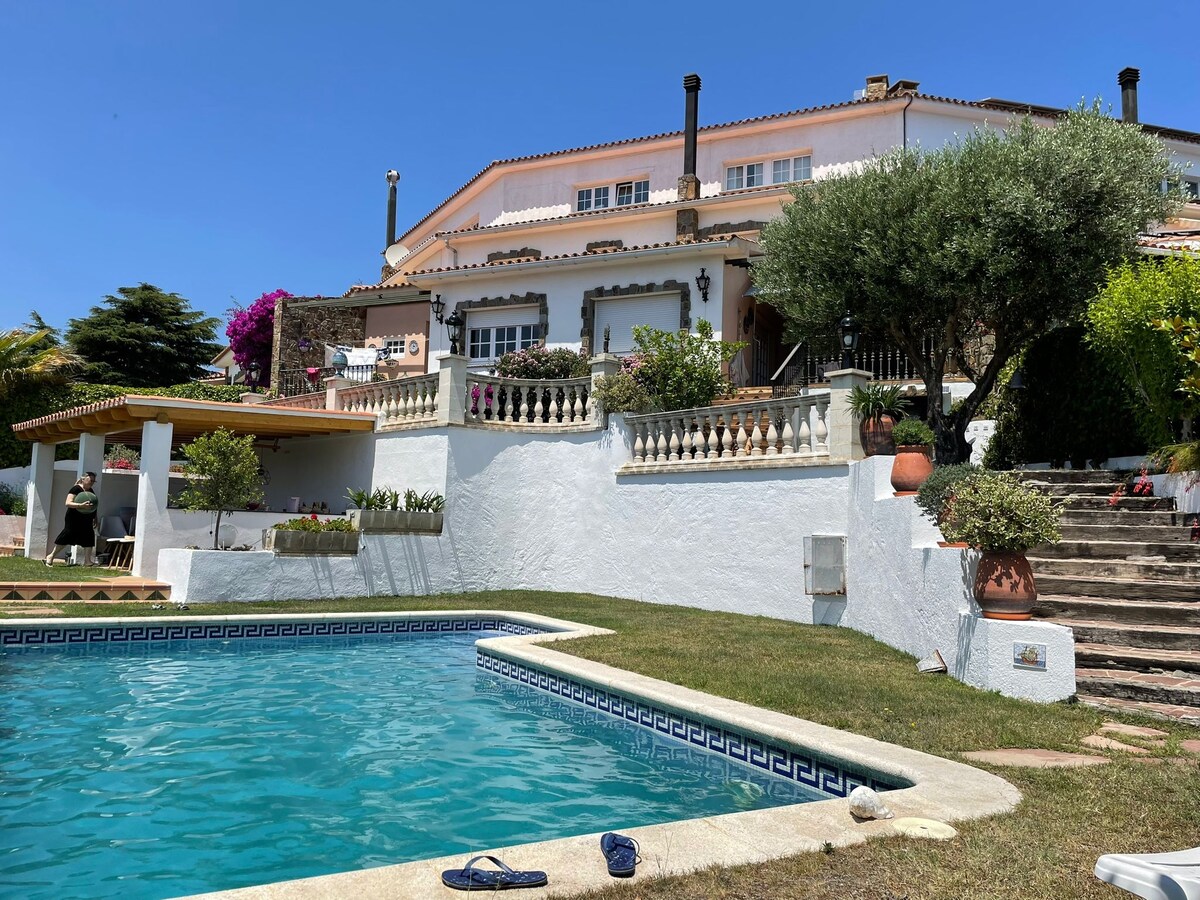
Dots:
(1191, 189)
(599, 194)
(781, 171)
(754, 174)
(395, 347)
(583, 200)
(606, 196)
(735, 178)
(515, 337)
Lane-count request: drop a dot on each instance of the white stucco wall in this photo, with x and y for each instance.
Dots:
(1187, 499)
(910, 593)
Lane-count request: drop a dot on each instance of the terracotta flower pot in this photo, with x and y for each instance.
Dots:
(912, 465)
(1004, 587)
(875, 435)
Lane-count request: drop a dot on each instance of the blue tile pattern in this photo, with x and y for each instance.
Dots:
(199, 631)
(824, 775)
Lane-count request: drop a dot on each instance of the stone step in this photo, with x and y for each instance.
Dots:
(1122, 550)
(1135, 570)
(1122, 517)
(1118, 588)
(1125, 635)
(1166, 711)
(1068, 610)
(1126, 685)
(1127, 502)
(1150, 534)
(1076, 490)
(1069, 476)
(1138, 659)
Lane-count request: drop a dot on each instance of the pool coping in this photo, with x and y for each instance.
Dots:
(941, 789)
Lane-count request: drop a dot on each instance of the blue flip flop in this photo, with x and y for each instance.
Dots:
(469, 878)
(621, 853)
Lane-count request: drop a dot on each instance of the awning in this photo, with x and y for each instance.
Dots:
(121, 420)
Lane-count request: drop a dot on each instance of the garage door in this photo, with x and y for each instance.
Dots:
(621, 314)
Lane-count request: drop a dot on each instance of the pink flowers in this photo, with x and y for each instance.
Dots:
(1144, 486)
(251, 331)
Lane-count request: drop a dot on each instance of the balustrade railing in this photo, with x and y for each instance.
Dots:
(784, 427)
(395, 402)
(300, 401)
(883, 360)
(528, 401)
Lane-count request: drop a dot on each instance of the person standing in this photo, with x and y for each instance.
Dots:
(79, 527)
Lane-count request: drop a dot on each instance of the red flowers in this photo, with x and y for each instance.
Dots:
(313, 517)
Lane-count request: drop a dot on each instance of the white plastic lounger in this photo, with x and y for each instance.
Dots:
(1154, 876)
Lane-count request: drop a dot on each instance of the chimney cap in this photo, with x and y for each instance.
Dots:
(877, 79)
(691, 82)
(1128, 76)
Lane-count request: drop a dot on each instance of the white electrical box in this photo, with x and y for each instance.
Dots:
(825, 564)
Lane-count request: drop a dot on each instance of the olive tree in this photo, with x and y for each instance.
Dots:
(224, 474)
(993, 239)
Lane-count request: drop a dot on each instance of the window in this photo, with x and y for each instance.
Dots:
(629, 192)
(798, 168)
(583, 200)
(735, 177)
(601, 197)
(754, 174)
(1191, 189)
(492, 343)
(394, 347)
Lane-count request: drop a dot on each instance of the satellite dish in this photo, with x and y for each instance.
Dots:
(395, 253)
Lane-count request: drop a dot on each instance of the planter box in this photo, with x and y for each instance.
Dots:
(322, 543)
(396, 521)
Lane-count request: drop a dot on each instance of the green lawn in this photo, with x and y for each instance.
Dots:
(18, 568)
(1046, 849)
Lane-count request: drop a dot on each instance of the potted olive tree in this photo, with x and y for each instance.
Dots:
(878, 408)
(998, 515)
(913, 464)
(223, 475)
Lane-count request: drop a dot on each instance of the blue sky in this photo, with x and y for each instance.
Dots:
(223, 149)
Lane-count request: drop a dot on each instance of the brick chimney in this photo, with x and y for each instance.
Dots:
(687, 221)
(1128, 79)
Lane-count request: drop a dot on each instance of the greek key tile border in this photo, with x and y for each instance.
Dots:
(200, 631)
(826, 776)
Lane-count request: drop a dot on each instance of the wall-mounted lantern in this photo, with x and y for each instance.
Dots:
(704, 282)
(439, 308)
(454, 325)
(849, 331)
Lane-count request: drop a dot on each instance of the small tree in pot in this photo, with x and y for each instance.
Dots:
(997, 514)
(912, 465)
(878, 408)
(225, 475)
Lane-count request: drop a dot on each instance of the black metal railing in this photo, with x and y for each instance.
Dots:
(307, 381)
(805, 368)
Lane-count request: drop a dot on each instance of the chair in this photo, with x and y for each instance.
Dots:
(127, 513)
(1153, 876)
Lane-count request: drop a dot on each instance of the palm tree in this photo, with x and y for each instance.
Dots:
(33, 357)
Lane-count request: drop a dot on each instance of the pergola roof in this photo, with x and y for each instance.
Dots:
(121, 419)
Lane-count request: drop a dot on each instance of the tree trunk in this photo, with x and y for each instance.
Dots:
(217, 532)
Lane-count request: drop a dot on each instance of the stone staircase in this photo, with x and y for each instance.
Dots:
(1126, 579)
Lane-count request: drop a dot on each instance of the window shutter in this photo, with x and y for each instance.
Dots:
(502, 315)
(620, 315)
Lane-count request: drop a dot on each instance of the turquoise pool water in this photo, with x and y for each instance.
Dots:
(153, 770)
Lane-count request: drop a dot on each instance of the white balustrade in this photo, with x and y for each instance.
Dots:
(299, 401)
(398, 401)
(529, 402)
(788, 426)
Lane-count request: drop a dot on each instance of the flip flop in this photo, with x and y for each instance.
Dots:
(621, 853)
(468, 878)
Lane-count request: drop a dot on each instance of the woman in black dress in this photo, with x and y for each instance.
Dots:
(80, 524)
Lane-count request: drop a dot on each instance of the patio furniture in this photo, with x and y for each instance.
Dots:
(112, 528)
(122, 557)
(1153, 876)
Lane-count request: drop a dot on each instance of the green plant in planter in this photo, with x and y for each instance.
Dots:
(912, 433)
(430, 501)
(995, 512)
(360, 498)
(936, 492)
(877, 400)
(312, 523)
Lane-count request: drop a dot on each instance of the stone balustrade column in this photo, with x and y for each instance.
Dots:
(843, 437)
(333, 384)
(452, 389)
(603, 365)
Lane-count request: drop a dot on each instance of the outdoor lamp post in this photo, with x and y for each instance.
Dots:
(253, 371)
(1017, 382)
(454, 325)
(848, 329)
(439, 308)
(339, 362)
(704, 282)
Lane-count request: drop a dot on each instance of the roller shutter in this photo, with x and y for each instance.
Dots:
(621, 314)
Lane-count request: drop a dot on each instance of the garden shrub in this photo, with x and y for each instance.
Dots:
(538, 362)
(314, 523)
(12, 499)
(912, 433)
(994, 511)
(621, 393)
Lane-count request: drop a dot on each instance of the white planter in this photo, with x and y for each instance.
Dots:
(319, 543)
(396, 521)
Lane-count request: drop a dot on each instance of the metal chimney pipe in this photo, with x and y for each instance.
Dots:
(392, 177)
(691, 85)
(1128, 79)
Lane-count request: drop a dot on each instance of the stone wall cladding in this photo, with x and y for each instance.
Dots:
(528, 299)
(709, 231)
(320, 324)
(523, 253)
(588, 311)
(603, 245)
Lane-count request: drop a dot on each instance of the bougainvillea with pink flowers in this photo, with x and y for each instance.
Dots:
(251, 331)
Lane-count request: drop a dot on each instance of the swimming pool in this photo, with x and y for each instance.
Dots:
(143, 767)
(723, 754)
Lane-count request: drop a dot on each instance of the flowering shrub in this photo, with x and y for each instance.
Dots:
(251, 332)
(994, 511)
(538, 362)
(315, 523)
(121, 457)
